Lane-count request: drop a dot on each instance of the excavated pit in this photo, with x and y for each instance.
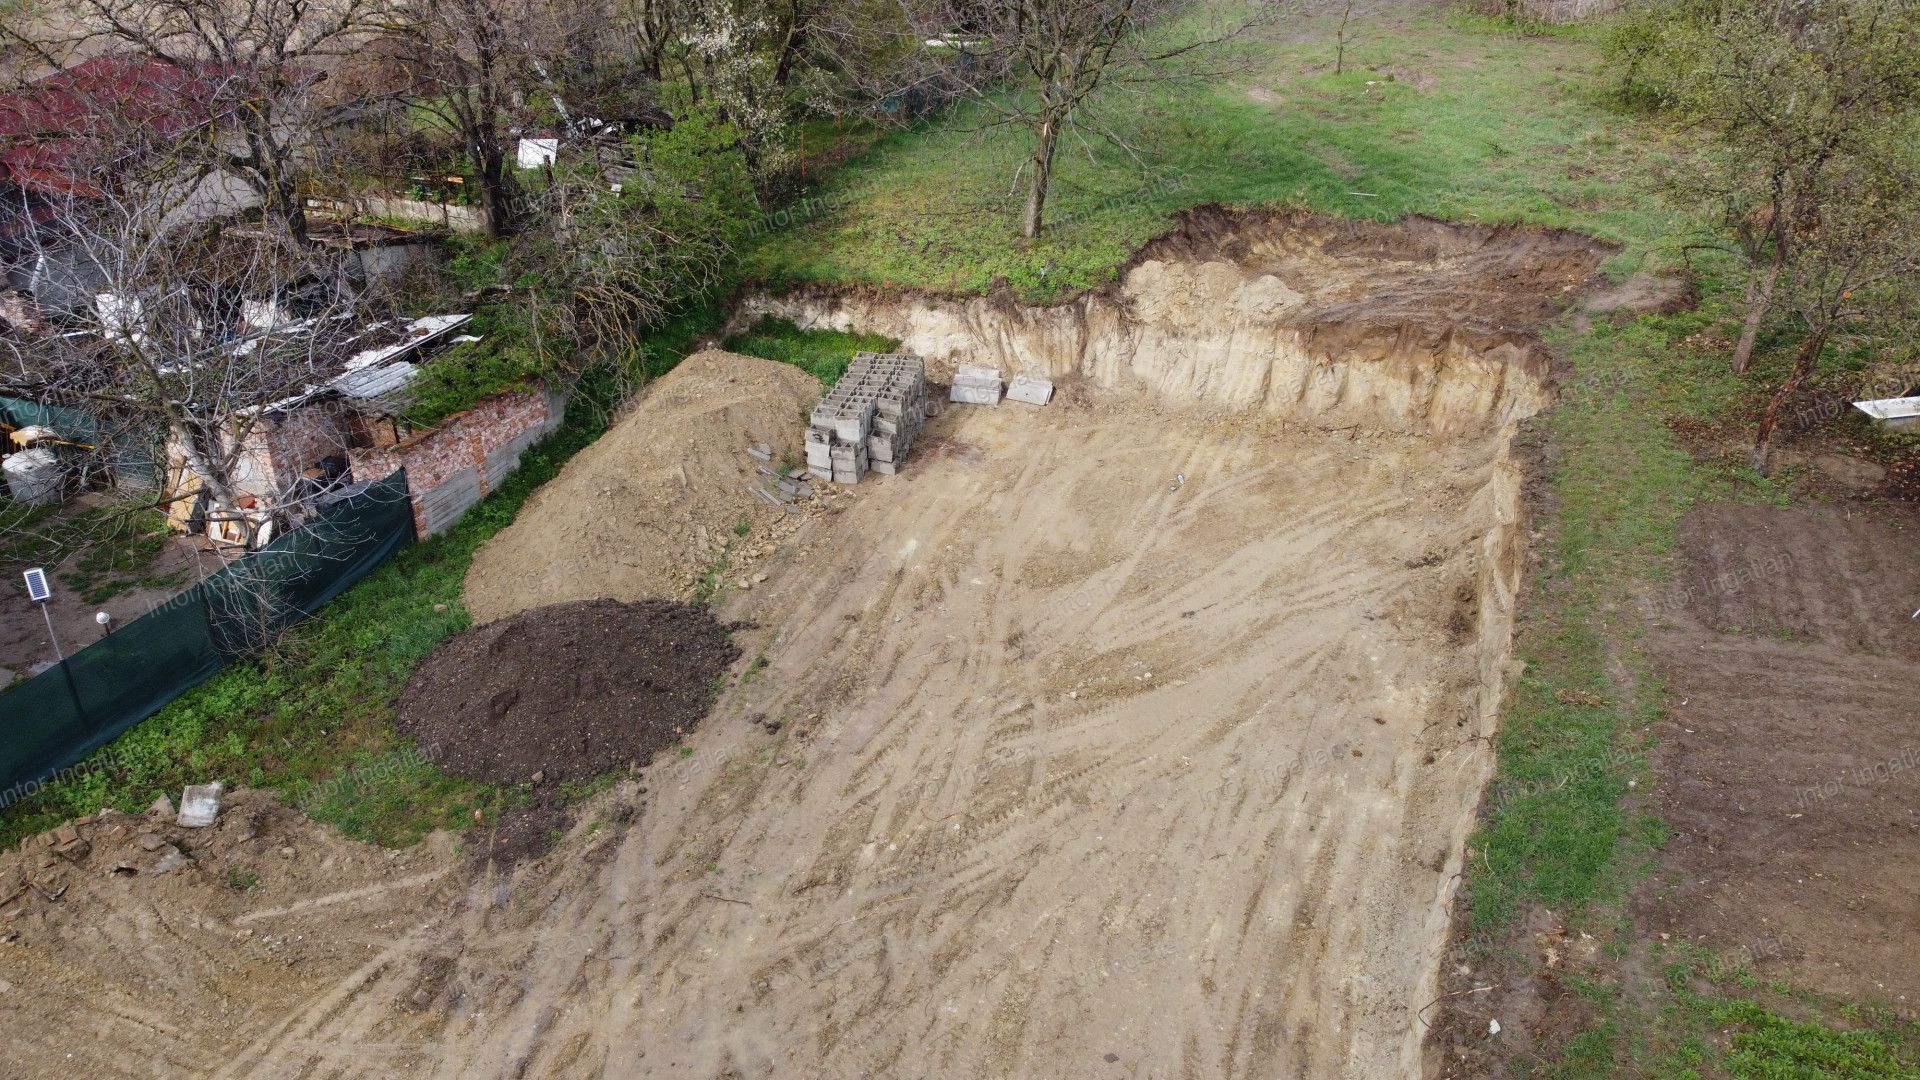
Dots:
(1135, 735)
(1342, 400)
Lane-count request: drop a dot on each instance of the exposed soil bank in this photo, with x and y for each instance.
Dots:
(1418, 327)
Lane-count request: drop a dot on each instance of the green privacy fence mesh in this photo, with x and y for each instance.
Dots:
(72, 709)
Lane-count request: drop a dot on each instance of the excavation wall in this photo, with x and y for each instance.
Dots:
(1418, 328)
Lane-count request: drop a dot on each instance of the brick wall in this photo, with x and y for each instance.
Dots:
(293, 442)
(447, 467)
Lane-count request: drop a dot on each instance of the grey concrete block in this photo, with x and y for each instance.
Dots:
(885, 468)
(199, 805)
(973, 395)
(1030, 390)
(851, 429)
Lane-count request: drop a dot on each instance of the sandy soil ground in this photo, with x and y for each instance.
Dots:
(154, 950)
(1057, 766)
(1789, 760)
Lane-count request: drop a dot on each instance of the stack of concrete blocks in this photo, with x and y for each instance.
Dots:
(869, 419)
(976, 385)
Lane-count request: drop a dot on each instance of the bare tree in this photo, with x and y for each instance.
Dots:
(617, 256)
(194, 343)
(257, 63)
(467, 67)
(1788, 91)
(1342, 38)
(1039, 64)
(1860, 265)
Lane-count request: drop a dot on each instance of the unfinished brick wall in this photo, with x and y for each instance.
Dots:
(293, 442)
(457, 463)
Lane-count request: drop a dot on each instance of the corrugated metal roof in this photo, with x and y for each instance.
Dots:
(376, 381)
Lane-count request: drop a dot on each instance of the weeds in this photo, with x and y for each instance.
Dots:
(824, 354)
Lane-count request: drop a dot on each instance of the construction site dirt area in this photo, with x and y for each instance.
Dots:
(131, 946)
(566, 692)
(1789, 759)
(1134, 735)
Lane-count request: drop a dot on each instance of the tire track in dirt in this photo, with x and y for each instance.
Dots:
(1005, 850)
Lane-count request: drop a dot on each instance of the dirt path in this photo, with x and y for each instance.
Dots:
(1080, 771)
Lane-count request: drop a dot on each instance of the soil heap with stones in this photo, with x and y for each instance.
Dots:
(567, 692)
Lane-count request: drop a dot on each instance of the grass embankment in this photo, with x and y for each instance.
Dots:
(314, 719)
(1458, 118)
(824, 354)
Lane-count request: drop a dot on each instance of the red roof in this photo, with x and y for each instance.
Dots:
(152, 93)
(48, 128)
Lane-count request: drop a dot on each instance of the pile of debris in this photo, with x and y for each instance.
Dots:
(776, 486)
(869, 419)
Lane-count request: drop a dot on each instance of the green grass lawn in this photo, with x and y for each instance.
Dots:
(1435, 115)
(824, 354)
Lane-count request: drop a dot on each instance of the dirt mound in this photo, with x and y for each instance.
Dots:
(568, 691)
(647, 509)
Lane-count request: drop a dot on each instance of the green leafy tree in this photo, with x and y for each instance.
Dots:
(1798, 99)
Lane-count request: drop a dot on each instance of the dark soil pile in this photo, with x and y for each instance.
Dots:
(568, 691)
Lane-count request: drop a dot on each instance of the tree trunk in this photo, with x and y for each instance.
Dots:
(789, 47)
(284, 207)
(496, 187)
(1042, 177)
(1759, 299)
(1802, 367)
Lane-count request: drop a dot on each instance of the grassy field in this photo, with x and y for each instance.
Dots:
(1427, 119)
